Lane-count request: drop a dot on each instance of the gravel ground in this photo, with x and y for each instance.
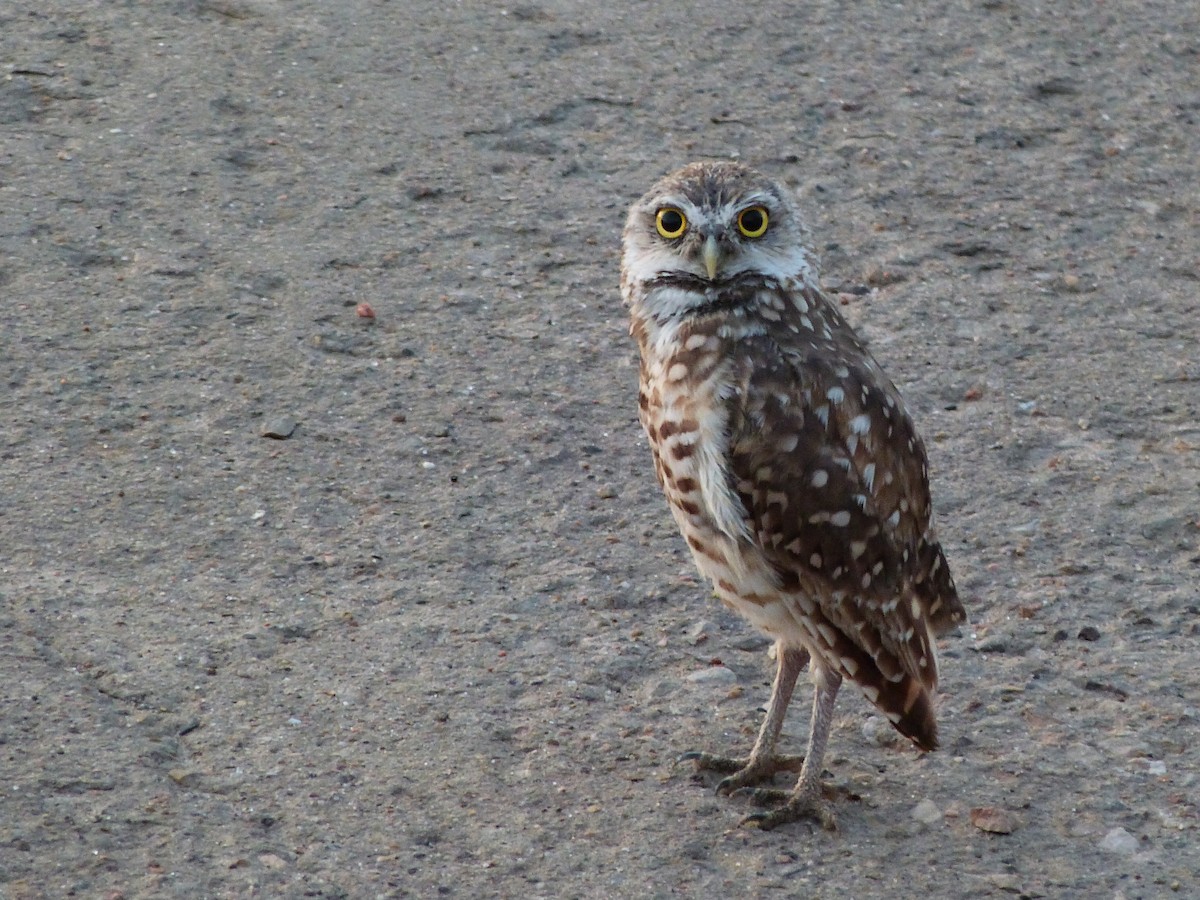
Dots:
(439, 636)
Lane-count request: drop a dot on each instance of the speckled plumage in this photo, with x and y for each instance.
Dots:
(793, 470)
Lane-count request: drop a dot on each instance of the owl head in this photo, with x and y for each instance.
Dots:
(711, 225)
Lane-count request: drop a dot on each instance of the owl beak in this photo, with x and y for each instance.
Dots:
(712, 256)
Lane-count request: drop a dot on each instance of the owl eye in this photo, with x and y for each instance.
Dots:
(671, 222)
(752, 222)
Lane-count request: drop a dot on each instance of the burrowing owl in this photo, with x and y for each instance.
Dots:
(790, 464)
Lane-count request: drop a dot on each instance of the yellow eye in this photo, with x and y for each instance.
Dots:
(752, 222)
(671, 222)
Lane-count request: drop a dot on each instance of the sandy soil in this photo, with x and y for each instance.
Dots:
(444, 640)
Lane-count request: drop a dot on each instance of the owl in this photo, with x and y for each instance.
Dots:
(789, 462)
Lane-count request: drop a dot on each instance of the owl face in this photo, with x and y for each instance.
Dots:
(707, 226)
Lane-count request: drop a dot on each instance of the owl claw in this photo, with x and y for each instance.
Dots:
(741, 772)
(762, 796)
(797, 808)
(711, 762)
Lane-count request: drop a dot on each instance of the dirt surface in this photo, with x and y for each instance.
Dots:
(443, 639)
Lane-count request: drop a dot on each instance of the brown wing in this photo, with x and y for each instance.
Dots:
(833, 477)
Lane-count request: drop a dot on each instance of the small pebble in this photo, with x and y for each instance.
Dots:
(927, 812)
(660, 690)
(994, 643)
(753, 642)
(699, 632)
(713, 676)
(279, 429)
(1005, 881)
(1082, 754)
(878, 731)
(993, 820)
(1089, 633)
(878, 276)
(1119, 841)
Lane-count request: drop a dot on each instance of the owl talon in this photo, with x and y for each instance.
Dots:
(740, 772)
(796, 809)
(763, 796)
(711, 762)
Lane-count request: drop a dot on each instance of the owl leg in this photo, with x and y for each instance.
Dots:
(763, 762)
(806, 801)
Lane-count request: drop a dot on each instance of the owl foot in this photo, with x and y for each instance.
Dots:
(742, 773)
(797, 807)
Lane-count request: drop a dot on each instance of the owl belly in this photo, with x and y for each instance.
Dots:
(688, 435)
(740, 577)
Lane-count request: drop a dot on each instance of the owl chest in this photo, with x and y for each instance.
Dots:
(686, 412)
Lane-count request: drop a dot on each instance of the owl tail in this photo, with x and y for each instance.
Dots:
(936, 588)
(886, 677)
(907, 703)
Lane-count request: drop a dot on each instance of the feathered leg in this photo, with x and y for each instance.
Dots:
(763, 762)
(805, 801)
